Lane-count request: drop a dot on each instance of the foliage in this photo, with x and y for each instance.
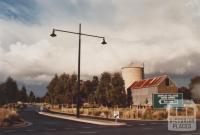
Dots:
(195, 80)
(22, 95)
(103, 91)
(62, 89)
(186, 92)
(10, 93)
(118, 95)
(108, 91)
(32, 97)
(111, 91)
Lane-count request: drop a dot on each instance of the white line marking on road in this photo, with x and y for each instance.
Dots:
(142, 124)
(9, 131)
(87, 132)
(129, 125)
(154, 123)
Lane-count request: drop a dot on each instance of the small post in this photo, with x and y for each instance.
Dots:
(116, 115)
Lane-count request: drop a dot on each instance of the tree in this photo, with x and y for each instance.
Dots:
(194, 87)
(86, 89)
(10, 90)
(50, 96)
(194, 81)
(22, 95)
(186, 92)
(32, 97)
(91, 96)
(73, 90)
(2, 95)
(62, 89)
(109, 91)
(118, 96)
(103, 91)
(38, 99)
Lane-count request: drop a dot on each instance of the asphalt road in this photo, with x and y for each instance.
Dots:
(42, 125)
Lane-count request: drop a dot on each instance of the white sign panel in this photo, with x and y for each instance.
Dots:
(116, 114)
(41, 108)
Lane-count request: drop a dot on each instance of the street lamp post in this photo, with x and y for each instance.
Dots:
(79, 59)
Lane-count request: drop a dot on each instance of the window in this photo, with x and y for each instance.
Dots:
(167, 82)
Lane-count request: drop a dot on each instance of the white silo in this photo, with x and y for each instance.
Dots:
(132, 72)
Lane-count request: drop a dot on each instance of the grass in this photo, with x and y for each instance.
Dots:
(131, 113)
(8, 117)
(127, 113)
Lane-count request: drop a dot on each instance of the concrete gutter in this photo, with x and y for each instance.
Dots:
(84, 120)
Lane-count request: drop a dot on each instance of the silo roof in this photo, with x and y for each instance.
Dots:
(134, 65)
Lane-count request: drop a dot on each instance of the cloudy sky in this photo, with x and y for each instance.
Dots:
(164, 34)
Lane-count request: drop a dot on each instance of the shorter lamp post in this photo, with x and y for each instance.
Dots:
(79, 59)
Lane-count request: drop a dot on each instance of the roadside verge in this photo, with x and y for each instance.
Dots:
(84, 120)
(103, 118)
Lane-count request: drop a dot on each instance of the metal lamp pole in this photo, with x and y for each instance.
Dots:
(79, 59)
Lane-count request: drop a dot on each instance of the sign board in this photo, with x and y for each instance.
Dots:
(116, 114)
(161, 100)
(41, 108)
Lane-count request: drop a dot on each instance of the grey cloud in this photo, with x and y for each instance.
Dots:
(188, 64)
(163, 34)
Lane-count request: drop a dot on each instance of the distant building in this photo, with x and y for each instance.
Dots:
(142, 90)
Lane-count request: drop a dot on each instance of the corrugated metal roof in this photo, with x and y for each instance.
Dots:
(151, 82)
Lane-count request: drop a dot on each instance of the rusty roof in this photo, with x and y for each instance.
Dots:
(150, 82)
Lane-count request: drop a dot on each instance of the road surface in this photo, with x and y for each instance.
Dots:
(42, 125)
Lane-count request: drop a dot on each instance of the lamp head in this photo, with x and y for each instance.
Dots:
(53, 33)
(103, 42)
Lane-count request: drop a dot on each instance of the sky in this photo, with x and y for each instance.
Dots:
(165, 35)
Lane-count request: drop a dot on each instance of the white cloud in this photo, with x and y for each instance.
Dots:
(163, 34)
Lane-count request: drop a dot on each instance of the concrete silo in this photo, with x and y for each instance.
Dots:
(132, 72)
